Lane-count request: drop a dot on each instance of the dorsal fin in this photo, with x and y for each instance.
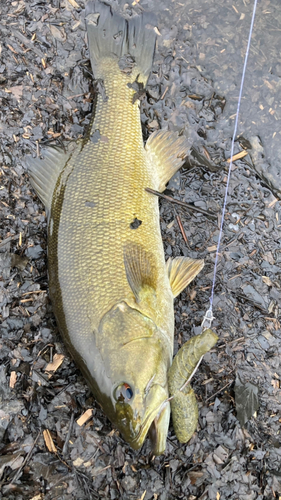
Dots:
(181, 271)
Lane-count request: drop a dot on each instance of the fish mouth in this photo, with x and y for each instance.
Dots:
(156, 426)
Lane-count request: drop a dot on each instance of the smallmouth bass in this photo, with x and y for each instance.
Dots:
(111, 290)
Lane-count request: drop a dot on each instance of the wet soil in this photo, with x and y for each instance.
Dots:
(46, 94)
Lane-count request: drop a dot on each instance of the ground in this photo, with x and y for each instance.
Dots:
(46, 93)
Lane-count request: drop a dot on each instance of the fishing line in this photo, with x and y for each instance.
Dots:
(208, 318)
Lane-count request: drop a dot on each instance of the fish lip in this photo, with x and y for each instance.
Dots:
(138, 440)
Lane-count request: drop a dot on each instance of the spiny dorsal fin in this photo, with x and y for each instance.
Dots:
(44, 172)
(140, 270)
(182, 271)
(166, 151)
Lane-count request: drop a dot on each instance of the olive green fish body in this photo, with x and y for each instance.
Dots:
(111, 289)
(99, 197)
(184, 404)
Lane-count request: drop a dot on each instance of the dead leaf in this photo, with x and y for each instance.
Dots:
(13, 461)
(246, 400)
(194, 476)
(17, 91)
(220, 455)
(58, 34)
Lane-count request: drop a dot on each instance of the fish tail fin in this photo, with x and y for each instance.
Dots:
(112, 36)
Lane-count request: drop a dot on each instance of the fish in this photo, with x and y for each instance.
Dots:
(183, 400)
(112, 291)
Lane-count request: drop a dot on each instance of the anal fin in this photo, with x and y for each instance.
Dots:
(166, 151)
(181, 271)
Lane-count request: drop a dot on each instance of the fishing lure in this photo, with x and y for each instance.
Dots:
(183, 403)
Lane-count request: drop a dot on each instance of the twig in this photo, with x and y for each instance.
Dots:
(98, 444)
(233, 341)
(41, 352)
(164, 93)
(244, 297)
(27, 458)
(182, 230)
(62, 461)
(220, 390)
(182, 203)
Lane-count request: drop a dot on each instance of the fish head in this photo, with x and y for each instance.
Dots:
(137, 360)
(140, 397)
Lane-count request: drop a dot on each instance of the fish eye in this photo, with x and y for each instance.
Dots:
(123, 393)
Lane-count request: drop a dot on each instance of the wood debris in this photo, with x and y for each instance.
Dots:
(13, 379)
(52, 367)
(85, 417)
(74, 4)
(212, 248)
(238, 156)
(143, 495)
(49, 441)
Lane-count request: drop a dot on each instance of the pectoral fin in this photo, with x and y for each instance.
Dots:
(182, 271)
(140, 271)
(44, 172)
(166, 152)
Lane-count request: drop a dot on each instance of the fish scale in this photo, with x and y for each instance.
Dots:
(116, 184)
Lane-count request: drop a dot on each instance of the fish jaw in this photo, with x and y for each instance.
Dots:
(159, 429)
(155, 422)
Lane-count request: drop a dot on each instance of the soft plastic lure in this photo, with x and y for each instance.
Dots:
(183, 403)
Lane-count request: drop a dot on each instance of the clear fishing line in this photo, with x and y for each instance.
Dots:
(208, 318)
